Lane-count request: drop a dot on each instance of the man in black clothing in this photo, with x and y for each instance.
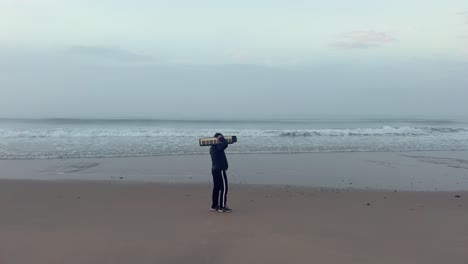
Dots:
(218, 169)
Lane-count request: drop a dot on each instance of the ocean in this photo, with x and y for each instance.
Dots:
(92, 138)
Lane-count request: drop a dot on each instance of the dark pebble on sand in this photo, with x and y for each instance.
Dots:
(121, 178)
(368, 204)
(457, 196)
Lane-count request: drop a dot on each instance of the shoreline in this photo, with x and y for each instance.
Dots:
(244, 153)
(410, 171)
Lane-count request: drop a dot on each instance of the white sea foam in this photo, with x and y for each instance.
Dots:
(67, 139)
(161, 132)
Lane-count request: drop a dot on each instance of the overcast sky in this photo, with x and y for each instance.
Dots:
(234, 59)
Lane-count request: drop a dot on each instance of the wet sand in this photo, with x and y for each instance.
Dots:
(411, 171)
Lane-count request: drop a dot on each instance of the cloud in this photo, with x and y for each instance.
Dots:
(242, 56)
(363, 39)
(248, 57)
(24, 4)
(464, 14)
(109, 53)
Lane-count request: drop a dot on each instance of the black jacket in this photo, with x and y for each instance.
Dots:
(218, 157)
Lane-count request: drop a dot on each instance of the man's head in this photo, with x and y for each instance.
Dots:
(218, 135)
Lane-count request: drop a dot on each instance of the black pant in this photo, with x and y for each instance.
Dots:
(220, 188)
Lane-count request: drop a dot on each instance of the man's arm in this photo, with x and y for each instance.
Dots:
(223, 143)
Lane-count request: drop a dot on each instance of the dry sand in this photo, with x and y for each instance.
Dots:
(51, 222)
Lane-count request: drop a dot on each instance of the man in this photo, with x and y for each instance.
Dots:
(218, 169)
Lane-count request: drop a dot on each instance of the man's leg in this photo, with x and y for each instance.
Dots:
(217, 185)
(224, 189)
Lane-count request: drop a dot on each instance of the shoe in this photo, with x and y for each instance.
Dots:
(224, 209)
(214, 209)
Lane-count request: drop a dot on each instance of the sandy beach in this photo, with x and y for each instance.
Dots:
(90, 222)
(156, 210)
(350, 121)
